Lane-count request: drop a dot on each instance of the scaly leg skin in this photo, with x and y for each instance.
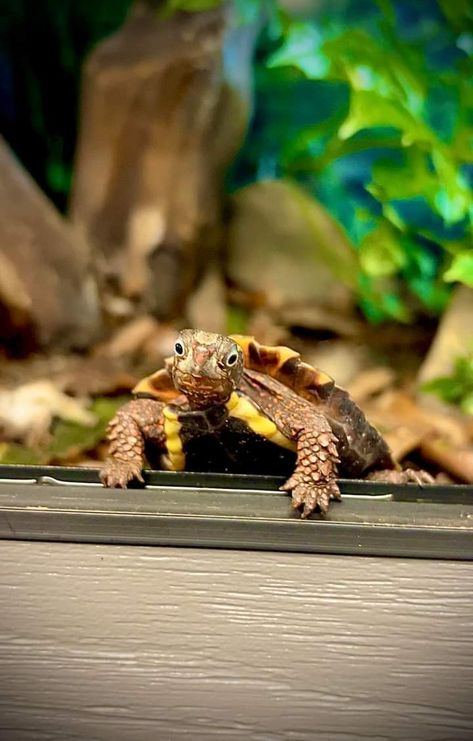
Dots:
(313, 482)
(407, 476)
(133, 424)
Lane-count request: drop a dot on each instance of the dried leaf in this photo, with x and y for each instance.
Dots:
(340, 359)
(316, 317)
(26, 412)
(68, 440)
(406, 424)
(370, 382)
(129, 339)
(456, 461)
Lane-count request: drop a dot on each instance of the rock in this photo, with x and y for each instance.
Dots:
(283, 243)
(453, 339)
(206, 308)
(48, 295)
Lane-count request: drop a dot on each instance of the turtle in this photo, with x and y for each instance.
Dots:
(230, 403)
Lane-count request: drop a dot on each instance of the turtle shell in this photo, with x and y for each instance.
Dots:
(361, 446)
(158, 385)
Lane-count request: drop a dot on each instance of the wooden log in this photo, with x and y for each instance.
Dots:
(48, 295)
(149, 163)
(454, 336)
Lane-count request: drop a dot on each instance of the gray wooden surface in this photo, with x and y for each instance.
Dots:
(114, 642)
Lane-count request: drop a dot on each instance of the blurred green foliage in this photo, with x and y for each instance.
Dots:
(458, 387)
(368, 104)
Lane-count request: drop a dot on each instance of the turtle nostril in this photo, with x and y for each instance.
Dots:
(201, 354)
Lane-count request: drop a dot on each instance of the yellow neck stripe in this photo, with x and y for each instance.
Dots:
(242, 408)
(172, 428)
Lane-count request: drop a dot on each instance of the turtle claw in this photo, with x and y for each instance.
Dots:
(117, 474)
(310, 495)
(289, 485)
(408, 476)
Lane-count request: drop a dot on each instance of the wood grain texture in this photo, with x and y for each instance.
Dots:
(114, 642)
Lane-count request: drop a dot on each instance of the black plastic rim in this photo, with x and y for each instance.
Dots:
(229, 511)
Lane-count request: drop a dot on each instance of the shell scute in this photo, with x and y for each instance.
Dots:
(360, 445)
(159, 386)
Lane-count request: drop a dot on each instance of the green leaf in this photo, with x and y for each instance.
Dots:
(461, 269)
(301, 49)
(368, 109)
(445, 387)
(453, 198)
(191, 6)
(388, 11)
(381, 305)
(381, 253)
(413, 175)
(59, 177)
(464, 368)
(466, 404)
(394, 218)
(15, 454)
(407, 178)
(380, 301)
(237, 319)
(458, 387)
(452, 206)
(68, 440)
(458, 12)
(433, 295)
(462, 145)
(395, 308)
(378, 66)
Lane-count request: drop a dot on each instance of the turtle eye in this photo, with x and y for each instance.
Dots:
(179, 348)
(232, 358)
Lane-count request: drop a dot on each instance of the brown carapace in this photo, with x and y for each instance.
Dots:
(231, 404)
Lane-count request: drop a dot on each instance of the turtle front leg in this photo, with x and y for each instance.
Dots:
(313, 483)
(135, 423)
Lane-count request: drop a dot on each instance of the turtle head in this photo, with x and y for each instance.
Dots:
(206, 367)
